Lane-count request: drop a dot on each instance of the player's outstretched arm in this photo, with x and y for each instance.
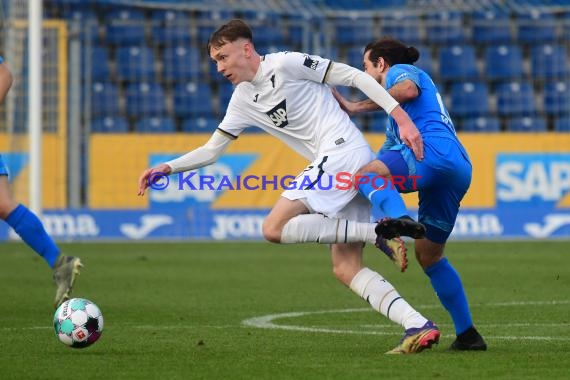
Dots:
(6, 80)
(197, 158)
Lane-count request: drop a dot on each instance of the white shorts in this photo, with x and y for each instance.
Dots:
(325, 186)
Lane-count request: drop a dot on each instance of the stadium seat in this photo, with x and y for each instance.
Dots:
(445, 27)
(145, 99)
(481, 124)
(526, 124)
(401, 25)
(458, 62)
(354, 57)
(491, 27)
(181, 63)
(557, 98)
(426, 61)
(170, 28)
(86, 21)
(354, 31)
(225, 92)
(208, 21)
(99, 64)
(192, 99)
(377, 123)
(200, 125)
(135, 63)
(515, 99)
(562, 124)
(503, 62)
(125, 27)
(104, 99)
(549, 61)
(469, 99)
(155, 125)
(268, 35)
(535, 27)
(109, 125)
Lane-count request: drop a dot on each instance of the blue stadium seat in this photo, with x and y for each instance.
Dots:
(200, 125)
(104, 99)
(458, 62)
(268, 35)
(562, 124)
(145, 99)
(535, 27)
(469, 99)
(87, 21)
(354, 31)
(181, 63)
(125, 27)
(515, 99)
(272, 48)
(192, 99)
(209, 20)
(377, 122)
(155, 125)
(557, 98)
(503, 62)
(135, 63)
(526, 124)
(355, 57)
(491, 27)
(99, 63)
(404, 26)
(481, 124)
(445, 27)
(426, 61)
(225, 92)
(110, 125)
(170, 28)
(549, 61)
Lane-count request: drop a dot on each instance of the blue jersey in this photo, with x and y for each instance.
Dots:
(427, 111)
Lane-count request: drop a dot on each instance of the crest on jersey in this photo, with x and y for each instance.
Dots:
(278, 114)
(311, 63)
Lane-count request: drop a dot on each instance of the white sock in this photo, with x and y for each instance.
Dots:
(382, 296)
(318, 228)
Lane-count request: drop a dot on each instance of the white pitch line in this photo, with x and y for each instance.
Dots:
(267, 322)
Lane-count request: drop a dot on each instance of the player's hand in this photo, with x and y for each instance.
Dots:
(152, 174)
(344, 103)
(409, 133)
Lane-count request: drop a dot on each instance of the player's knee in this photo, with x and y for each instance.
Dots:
(271, 232)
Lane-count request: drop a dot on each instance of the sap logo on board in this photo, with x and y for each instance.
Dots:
(531, 177)
(228, 166)
(237, 226)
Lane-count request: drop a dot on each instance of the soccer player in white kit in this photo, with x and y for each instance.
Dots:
(286, 94)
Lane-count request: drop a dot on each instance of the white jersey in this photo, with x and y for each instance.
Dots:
(288, 99)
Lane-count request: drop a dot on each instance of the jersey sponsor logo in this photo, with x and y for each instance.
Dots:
(311, 63)
(533, 177)
(278, 114)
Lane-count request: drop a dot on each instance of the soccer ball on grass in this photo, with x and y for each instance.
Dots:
(78, 323)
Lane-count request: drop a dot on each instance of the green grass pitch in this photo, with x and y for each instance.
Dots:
(263, 311)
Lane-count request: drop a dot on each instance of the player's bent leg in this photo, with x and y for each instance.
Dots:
(65, 272)
(283, 211)
(395, 249)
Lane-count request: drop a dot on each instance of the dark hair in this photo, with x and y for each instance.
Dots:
(231, 31)
(393, 52)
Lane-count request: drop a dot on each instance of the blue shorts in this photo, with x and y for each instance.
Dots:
(3, 168)
(441, 180)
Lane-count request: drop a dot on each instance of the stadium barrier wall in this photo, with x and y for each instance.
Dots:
(520, 189)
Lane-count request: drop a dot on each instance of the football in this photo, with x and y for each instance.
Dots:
(78, 323)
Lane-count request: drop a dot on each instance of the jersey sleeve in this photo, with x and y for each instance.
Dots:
(235, 120)
(400, 73)
(304, 66)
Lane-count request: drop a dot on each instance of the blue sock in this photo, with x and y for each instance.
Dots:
(447, 285)
(31, 230)
(384, 197)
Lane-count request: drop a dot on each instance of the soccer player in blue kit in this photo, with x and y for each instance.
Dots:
(29, 227)
(441, 178)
